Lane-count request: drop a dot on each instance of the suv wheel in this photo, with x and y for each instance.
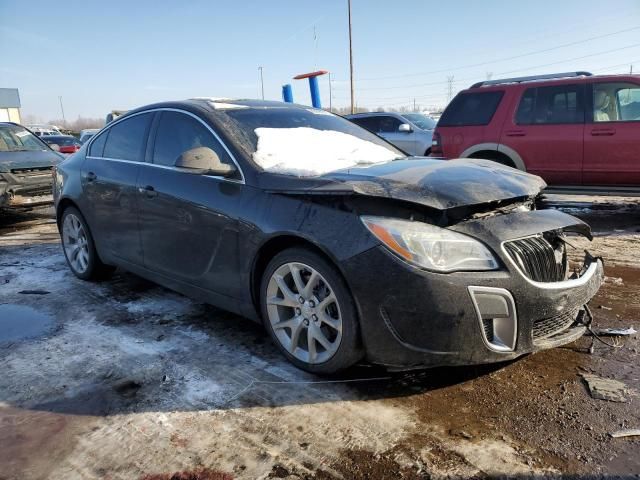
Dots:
(309, 312)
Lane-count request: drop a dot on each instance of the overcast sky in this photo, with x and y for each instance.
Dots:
(118, 54)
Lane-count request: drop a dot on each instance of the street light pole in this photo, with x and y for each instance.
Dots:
(261, 82)
(351, 60)
(64, 120)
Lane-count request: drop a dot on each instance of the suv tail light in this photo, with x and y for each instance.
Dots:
(436, 145)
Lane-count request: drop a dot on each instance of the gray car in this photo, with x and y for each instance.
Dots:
(411, 132)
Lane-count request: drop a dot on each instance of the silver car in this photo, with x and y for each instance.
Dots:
(411, 132)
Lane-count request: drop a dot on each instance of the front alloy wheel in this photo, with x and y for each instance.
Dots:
(309, 312)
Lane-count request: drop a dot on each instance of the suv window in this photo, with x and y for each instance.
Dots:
(370, 123)
(127, 139)
(177, 133)
(616, 102)
(555, 105)
(468, 109)
(389, 124)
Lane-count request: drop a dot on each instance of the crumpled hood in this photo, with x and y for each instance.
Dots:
(438, 184)
(31, 159)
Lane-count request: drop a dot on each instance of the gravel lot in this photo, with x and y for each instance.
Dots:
(126, 380)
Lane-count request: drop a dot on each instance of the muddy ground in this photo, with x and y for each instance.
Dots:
(126, 380)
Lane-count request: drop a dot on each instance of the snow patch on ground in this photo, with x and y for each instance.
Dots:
(307, 152)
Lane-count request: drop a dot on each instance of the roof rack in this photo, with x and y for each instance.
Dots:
(531, 78)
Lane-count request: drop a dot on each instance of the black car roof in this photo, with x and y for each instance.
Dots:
(199, 104)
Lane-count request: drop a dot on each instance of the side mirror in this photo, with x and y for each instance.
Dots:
(405, 127)
(203, 160)
(54, 147)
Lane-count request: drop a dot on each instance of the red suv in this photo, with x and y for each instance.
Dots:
(571, 128)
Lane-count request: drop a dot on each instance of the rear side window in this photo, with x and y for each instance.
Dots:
(128, 138)
(370, 123)
(178, 133)
(468, 109)
(97, 147)
(551, 105)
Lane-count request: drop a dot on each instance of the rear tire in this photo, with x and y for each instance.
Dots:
(309, 312)
(79, 248)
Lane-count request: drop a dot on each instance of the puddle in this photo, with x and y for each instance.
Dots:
(18, 322)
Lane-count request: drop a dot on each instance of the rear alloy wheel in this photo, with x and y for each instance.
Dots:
(79, 248)
(309, 312)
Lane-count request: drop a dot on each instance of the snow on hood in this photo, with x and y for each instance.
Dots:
(308, 152)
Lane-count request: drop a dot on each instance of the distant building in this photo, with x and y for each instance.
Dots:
(9, 105)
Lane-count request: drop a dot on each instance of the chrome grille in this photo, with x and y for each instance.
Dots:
(541, 258)
(552, 325)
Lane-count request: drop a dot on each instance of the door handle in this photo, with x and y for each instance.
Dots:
(91, 177)
(148, 190)
(601, 132)
(515, 133)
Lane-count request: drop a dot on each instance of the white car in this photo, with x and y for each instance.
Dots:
(87, 133)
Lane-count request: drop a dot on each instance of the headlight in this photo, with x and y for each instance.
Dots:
(431, 247)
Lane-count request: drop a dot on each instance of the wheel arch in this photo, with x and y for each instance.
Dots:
(277, 244)
(496, 148)
(62, 205)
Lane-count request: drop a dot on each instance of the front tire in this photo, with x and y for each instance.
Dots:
(79, 248)
(309, 312)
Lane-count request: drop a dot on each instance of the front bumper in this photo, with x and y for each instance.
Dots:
(26, 190)
(411, 317)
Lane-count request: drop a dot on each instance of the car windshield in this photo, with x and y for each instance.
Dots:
(14, 138)
(309, 142)
(420, 120)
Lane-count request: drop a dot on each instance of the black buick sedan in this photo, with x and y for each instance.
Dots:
(342, 246)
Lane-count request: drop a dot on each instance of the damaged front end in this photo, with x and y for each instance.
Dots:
(26, 188)
(413, 314)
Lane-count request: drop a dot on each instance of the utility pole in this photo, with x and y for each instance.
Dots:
(353, 110)
(261, 82)
(631, 70)
(414, 104)
(64, 120)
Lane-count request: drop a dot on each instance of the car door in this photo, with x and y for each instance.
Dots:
(547, 130)
(109, 175)
(612, 134)
(188, 223)
(389, 130)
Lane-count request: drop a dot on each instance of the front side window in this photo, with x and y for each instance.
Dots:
(370, 123)
(128, 138)
(389, 124)
(616, 102)
(177, 133)
(469, 109)
(551, 105)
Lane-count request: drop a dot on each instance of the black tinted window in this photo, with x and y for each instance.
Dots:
(389, 124)
(97, 147)
(127, 138)
(370, 123)
(471, 109)
(177, 133)
(555, 105)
